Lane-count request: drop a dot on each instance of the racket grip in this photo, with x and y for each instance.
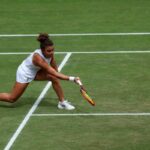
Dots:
(79, 82)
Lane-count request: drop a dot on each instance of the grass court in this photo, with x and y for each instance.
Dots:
(114, 68)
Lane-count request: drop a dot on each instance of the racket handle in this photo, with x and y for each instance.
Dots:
(79, 82)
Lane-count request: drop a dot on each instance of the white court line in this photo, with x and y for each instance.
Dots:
(92, 114)
(106, 52)
(15, 53)
(33, 108)
(83, 52)
(78, 34)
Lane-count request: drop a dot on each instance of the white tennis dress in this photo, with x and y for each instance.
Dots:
(27, 71)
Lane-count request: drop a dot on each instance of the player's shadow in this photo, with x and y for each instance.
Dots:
(29, 101)
(49, 102)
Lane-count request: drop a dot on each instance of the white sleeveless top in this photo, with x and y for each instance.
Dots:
(29, 68)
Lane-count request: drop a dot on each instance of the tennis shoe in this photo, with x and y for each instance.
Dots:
(65, 105)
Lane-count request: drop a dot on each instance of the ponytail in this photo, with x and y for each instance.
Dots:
(44, 40)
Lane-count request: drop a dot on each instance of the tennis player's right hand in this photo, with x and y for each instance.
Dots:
(77, 81)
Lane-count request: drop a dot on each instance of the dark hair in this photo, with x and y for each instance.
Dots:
(44, 40)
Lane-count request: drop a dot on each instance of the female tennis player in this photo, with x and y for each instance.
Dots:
(40, 65)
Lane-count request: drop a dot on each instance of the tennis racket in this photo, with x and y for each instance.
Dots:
(84, 93)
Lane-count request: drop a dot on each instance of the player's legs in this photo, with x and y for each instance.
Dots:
(63, 104)
(42, 75)
(16, 92)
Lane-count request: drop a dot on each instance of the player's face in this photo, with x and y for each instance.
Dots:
(48, 52)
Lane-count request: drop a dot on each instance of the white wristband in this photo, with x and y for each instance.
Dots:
(71, 78)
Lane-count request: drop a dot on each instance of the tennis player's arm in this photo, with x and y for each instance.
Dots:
(53, 63)
(38, 61)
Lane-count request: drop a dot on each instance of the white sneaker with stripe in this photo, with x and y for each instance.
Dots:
(65, 105)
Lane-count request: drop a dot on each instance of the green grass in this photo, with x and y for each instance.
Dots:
(79, 43)
(74, 16)
(117, 82)
(106, 133)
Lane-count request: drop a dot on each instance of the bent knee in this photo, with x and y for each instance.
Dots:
(12, 99)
